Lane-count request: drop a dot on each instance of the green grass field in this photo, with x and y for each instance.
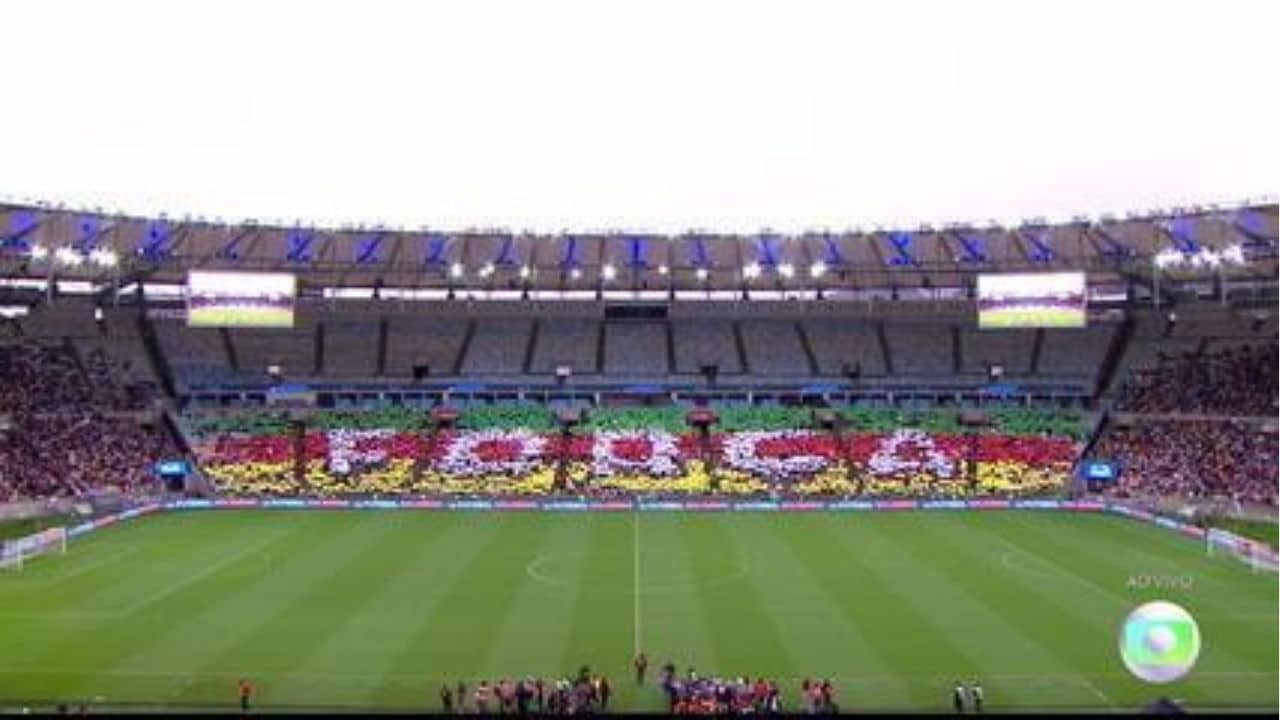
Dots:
(367, 608)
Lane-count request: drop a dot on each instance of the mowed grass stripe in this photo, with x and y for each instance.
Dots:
(1249, 592)
(1119, 557)
(213, 557)
(1098, 611)
(742, 627)
(366, 608)
(329, 627)
(998, 634)
(533, 636)
(456, 634)
(814, 623)
(673, 624)
(841, 560)
(600, 633)
(415, 651)
(1026, 634)
(263, 620)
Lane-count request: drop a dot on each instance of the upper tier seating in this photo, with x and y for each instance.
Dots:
(351, 347)
(433, 342)
(773, 347)
(838, 343)
(1010, 349)
(705, 342)
(566, 341)
(498, 346)
(635, 348)
(920, 350)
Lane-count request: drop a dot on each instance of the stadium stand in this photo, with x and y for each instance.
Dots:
(1010, 349)
(635, 349)
(196, 355)
(434, 343)
(842, 345)
(773, 347)
(293, 349)
(498, 347)
(1194, 460)
(351, 347)
(921, 349)
(566, 342)
(1075, 353)
(699, 343)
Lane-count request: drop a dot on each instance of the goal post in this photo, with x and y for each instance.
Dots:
(1257, 555)
(15, 553)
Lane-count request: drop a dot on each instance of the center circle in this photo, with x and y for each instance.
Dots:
(543, 569)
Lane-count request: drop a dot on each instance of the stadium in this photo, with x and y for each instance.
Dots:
(1015, 465)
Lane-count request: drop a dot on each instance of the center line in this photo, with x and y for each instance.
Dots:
(635, 564)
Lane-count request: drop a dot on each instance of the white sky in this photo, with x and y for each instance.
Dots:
(638, 115)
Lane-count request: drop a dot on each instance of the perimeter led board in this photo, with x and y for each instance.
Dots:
(236, 299)
(1031, 300)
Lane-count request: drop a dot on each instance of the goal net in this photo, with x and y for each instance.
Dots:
(1258, 556)
(15, 553)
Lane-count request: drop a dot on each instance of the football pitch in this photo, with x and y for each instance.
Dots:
(375, 609)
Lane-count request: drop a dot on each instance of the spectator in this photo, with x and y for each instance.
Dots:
(1193, 460)
(1236, 381)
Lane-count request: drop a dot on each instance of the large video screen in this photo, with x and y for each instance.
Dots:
(1031, 300)
(235, 299)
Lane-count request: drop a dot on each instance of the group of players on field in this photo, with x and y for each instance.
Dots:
(686, 695)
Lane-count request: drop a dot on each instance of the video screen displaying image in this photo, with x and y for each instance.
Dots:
(1031, 300)
(232, 299)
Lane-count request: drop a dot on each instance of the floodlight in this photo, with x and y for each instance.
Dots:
(105, 257)
(67, 256)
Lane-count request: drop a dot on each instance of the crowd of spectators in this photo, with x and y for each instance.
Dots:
(62, 435)
(1238, 381)
(1193, 459)
(71, 455)
(52, 379)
